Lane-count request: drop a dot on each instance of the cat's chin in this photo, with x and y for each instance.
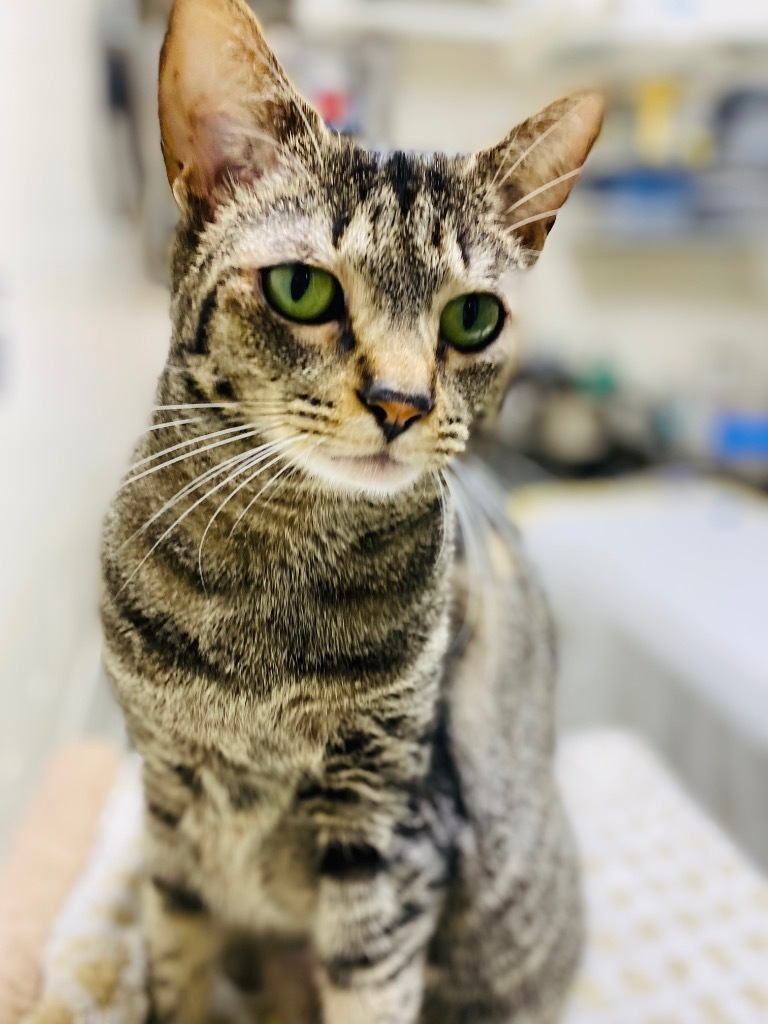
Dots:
(379, 475)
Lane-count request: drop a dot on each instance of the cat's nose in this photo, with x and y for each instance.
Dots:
(393, 410)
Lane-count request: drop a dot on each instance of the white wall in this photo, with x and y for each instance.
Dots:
(49, 101)
(82, 336)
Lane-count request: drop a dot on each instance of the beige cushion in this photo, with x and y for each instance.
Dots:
(50, 852)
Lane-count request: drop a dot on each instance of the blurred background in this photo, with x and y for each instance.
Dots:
(634, 443)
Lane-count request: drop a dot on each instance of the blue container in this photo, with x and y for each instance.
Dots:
(739, 436)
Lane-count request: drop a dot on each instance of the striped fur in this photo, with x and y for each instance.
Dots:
(339, 754)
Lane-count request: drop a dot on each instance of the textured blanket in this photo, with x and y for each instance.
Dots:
(678, 920)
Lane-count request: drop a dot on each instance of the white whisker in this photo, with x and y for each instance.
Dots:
(169, 423)
(444, 515)
(488, 501)
(257, 496)
(263, 451)
(190, 441)
(294, 470)
(537, 141)
(254, 499)
(296, 467)
(543, 188)
(268, 484)
(178, 521)
(532, 220)
(279, 446)
(503, 160)
(187, 455)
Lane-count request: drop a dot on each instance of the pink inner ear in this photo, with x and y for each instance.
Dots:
(221, 147)
(215, 136)
(217, 97)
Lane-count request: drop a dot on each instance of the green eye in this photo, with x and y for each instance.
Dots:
(471, 321)
(303, 293)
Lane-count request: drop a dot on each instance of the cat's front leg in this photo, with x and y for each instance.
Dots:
(371, 940)
(396, 1001)
(181, 949)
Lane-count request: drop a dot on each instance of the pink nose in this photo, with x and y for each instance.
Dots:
(394, 411)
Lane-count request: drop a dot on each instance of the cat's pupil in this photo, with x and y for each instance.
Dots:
(470, 311)
(299, 283)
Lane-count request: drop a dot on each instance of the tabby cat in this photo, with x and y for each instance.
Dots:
(340, 755)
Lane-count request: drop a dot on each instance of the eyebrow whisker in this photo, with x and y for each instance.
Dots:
(543, 188)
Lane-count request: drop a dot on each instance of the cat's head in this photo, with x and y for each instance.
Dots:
(359, 305)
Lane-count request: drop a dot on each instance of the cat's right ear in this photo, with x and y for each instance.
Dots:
(227, 110)
(534, 169)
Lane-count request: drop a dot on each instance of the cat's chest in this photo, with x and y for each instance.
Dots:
(257, 831)
(253, 844)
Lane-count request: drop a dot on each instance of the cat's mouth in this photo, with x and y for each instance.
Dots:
(378, 472)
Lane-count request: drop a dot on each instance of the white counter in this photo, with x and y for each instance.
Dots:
(660, 590)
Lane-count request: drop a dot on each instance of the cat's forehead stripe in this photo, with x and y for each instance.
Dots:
(354, 175)
(419, 217)
(399, 171)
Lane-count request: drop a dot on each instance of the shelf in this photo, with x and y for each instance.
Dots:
(491, 24)
(552, 28)
(601, 242)
(597, 233)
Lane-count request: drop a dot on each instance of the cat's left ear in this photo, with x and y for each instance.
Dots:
(534, 169)
(227, 109)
